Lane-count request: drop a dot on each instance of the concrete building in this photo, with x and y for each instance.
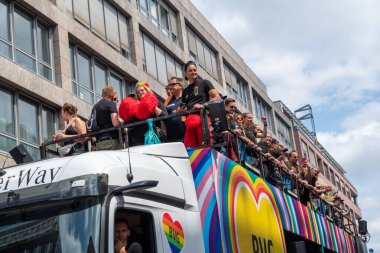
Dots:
(52, 52)
(330, 170)
(58, 51)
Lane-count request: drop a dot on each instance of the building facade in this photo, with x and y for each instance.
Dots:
(57, 51)
(52, 52)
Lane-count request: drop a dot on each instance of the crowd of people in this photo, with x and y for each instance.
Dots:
(245, 141)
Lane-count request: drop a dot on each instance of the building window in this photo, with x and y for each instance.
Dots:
(261, 108)
(236, 86)
(354, 199)
(24, 121)
(284, 134)
(161, 16)
(158, 63)
(312, 158)
(103, 19)
(200, 52)
(25, 39)
(326, 171)
(332, 176)
(342, 187)
(348, 192)
(89, 76)
(337, 182)
(305, 153)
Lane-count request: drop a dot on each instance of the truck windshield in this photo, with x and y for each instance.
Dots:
(65, 226)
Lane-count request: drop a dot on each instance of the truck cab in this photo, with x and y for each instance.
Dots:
(70, 204)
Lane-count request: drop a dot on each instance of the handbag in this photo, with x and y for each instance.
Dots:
(150, 137)
(161, 133)
(70, 149)
(92, 123)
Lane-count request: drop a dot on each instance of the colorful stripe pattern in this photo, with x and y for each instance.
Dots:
(226, 191)
(173, 232)
(203, 167)
(303, 221)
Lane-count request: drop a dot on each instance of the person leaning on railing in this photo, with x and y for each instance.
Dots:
(73, 126)
(291, 169)
(231, 147)
(336, 212)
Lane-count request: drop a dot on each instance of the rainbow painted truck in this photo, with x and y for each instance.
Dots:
(175, 200)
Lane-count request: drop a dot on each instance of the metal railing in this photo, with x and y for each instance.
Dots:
(84, 138)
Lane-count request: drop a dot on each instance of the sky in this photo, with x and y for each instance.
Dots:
(326, 54)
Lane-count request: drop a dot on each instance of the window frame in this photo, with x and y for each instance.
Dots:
(35, 22)
(201, 46)
(122, 211)
(93, 62)
(260, 107)
(171, 14)
(284, 132)
(337, 182)
(231, 76)
(312, 158)
(326, 170)
(122, 50)
(166, 54)
(332, 176)
(40, 106)
(304, 148)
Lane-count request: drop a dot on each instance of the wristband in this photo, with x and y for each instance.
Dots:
(265, 123)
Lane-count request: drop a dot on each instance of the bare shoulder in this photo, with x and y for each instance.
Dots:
(78, 120)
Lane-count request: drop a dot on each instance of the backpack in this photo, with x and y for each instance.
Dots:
(92, 123)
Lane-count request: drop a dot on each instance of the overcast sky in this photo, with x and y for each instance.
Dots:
(326, 54)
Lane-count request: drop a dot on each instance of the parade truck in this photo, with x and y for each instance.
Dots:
(174, 199)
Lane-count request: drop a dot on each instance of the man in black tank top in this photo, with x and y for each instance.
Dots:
(107, 117)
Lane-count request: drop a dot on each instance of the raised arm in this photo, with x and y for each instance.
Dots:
(265, 130)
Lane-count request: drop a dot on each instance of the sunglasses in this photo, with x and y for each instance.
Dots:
(233, 107)
(172, 85)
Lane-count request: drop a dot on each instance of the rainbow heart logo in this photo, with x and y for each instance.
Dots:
(254, 219)
(173, 232)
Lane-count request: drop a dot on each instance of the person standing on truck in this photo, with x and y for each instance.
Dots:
(107, 117)
(174, 126)
(73, 126)
(143, 106)
(121, 234)
(195, 95)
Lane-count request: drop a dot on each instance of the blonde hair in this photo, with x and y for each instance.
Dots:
(143, 85)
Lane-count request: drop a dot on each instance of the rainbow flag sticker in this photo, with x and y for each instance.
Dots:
(173, 232)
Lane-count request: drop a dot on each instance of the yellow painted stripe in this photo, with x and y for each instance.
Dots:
(195, 155)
